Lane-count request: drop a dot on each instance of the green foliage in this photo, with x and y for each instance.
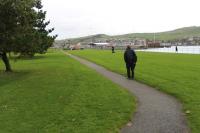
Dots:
(176, 74)
(56, 94)
(23, 27)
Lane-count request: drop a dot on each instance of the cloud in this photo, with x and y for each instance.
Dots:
(73, 18)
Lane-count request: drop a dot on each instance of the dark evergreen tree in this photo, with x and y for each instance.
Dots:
(23, 29)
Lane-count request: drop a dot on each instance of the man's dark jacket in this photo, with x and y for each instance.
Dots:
(130, 57)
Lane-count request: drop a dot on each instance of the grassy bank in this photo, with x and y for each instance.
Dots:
(54, 94)
(176, 74)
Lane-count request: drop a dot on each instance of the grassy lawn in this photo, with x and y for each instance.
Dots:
(53, 93)
(176, 74)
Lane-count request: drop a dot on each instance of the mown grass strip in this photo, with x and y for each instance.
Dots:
(176, 74)
(54, 93)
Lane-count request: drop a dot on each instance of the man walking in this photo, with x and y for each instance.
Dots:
(113, 49)
(176, 48)
(130, 59)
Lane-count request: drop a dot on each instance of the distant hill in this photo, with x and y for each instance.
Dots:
(168, 35)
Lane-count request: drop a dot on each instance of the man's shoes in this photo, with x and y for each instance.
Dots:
(130, 78)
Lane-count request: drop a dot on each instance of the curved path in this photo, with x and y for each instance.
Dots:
(156, 111)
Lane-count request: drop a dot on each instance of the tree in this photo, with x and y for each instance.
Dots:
(23, 29)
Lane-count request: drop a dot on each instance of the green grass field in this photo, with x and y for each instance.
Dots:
(176, 74)
(53, 93)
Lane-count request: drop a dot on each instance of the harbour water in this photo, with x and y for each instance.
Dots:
(181, 49)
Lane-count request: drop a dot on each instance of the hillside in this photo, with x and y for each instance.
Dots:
(168, 35)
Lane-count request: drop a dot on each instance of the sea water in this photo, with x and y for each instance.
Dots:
(181, 49)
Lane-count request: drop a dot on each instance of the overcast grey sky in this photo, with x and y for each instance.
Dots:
(75, 18)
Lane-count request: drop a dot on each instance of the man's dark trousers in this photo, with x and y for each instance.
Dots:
(130, 69)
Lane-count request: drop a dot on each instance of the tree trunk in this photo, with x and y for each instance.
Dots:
(6, 62)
